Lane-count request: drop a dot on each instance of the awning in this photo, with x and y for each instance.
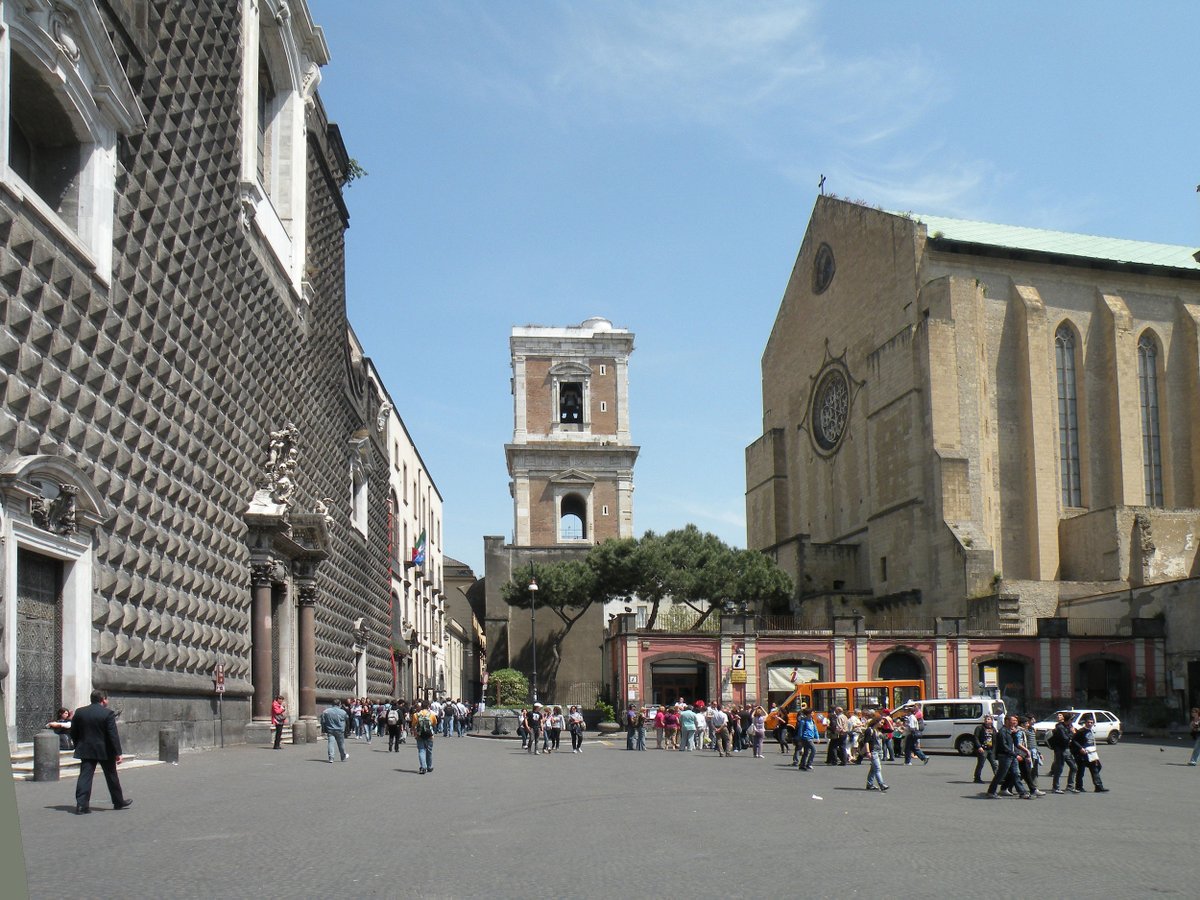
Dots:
(786, 677)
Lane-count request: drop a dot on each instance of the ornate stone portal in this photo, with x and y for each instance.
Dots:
(285, 551)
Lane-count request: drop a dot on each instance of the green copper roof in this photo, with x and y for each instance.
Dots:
(1062, 243)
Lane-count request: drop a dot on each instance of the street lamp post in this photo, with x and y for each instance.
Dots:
(533, 589)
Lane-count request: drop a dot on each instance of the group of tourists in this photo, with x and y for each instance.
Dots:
(870, 737)
(540, 728)
(1011, 750)
(686, 727)
(420, 720)
(365, 718)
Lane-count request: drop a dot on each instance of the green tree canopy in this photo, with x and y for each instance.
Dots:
(691, 567)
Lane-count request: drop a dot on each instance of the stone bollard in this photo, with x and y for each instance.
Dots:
(168, 745)
(45, 756)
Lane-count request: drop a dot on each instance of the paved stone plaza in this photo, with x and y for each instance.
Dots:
(494, 821)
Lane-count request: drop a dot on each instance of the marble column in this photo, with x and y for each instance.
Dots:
(260, 639)
(307, 596)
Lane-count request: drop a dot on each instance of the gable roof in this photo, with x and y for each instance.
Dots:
(1059, 243)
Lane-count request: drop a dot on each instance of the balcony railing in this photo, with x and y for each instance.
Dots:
(682, 619)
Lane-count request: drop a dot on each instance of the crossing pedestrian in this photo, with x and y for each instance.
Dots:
(1059, 740)
(97, 743)
(424, 726)
(333, 726)
(1194, 727)
(1083, 742)
(985, 734)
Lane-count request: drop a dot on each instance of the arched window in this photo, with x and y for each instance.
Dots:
(903, 666)
(1068, 419)
(572, 518)
(1151, 438)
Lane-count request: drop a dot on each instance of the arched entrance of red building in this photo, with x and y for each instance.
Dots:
(1102, 681)
(674, 679)
(902, 665)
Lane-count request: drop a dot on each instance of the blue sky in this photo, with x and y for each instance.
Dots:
(656, 164)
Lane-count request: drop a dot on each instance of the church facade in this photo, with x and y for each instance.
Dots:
(992, 425)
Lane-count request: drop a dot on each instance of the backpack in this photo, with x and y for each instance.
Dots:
(424, 725)
(393, 717)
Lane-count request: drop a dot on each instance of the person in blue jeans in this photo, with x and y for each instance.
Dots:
(806, 740)
(1005, 744)
(333, 724)
(912, 740)
(871, 750)
(424, 726)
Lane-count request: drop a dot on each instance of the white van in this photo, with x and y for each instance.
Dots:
(950, 724)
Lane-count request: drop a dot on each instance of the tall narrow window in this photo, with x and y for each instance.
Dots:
(1151, 444)
(266, 100)
(1068, 419)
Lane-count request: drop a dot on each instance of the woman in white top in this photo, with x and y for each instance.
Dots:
(758, 730)
(575, 724)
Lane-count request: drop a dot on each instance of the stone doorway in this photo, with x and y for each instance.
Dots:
(39, 668)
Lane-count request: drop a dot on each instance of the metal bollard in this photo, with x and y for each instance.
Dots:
(168, 745)
(45, 756)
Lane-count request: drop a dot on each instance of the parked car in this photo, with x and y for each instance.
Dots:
(950, 723)
(1107, 728)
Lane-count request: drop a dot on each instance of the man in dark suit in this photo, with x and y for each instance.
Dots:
(94, 732)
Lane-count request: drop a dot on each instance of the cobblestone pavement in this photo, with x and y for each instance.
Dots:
(494, 821)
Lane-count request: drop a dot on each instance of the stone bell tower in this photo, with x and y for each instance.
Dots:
(571, 458)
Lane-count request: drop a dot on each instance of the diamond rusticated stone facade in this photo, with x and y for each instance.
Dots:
(163, 383)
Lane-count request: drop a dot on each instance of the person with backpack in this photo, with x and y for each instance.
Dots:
(392, 720)
(424, 726)
(1059, 740)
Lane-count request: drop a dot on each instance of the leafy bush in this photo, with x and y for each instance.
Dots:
(509, 687)
(607, 713)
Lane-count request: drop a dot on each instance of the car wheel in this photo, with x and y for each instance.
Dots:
(1114, 736)
(965, 745)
